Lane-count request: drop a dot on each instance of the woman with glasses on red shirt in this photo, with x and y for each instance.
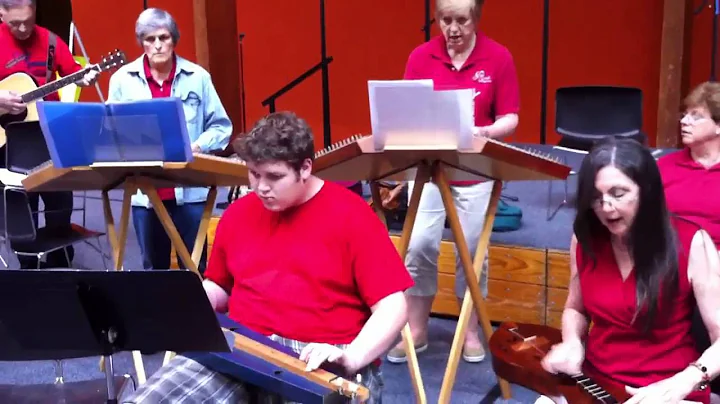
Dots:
(691, 176)
(637, 273)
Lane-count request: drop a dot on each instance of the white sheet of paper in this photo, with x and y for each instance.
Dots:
(10, 178)
(410, 113)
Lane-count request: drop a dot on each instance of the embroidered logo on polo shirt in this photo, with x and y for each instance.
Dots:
(15, 61)
(480, 77)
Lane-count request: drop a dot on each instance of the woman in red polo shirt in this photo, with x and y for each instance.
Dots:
(691, 176)
(637, 272)
(462, 57)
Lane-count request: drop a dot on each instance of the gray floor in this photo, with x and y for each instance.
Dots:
(474, 382)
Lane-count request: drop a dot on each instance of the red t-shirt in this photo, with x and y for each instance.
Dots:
(30, 57)
(489, 70)
(311, 273)
(692, 191)
(161, 91)
(621, 351)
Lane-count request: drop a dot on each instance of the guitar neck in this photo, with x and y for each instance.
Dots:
(49, 88)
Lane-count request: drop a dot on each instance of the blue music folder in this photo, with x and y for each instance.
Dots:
(87, 133)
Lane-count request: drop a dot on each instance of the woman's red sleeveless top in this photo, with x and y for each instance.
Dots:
(620, 350)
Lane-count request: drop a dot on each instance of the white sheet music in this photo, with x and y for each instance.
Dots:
(410, 113)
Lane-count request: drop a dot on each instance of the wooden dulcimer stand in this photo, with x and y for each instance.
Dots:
(203, 171)
(358, 159)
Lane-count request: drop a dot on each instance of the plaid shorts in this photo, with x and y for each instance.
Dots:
(184, 380)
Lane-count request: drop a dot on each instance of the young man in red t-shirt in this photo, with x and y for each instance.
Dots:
(24, 49)
(301, 260)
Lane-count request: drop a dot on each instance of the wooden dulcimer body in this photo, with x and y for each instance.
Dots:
(517, 351)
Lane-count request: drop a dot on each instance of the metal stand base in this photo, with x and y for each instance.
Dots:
(110, 379)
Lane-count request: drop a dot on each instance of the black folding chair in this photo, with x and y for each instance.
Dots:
(23, 237)
(26, 150)
(585, 115)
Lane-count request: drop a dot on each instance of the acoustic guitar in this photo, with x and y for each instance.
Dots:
(517, 351)
(25, 85)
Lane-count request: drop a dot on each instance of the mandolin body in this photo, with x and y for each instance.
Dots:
(19, 83)
(517, 351)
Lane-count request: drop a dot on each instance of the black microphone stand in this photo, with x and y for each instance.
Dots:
(242, 85)
(713, 49)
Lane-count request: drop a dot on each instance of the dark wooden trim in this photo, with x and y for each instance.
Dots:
(675, 18)
(202, 44)
(217, 50)
(544, 74)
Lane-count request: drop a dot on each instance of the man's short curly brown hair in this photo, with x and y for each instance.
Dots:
(279, 136)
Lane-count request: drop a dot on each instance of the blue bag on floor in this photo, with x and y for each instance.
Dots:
(507, 217)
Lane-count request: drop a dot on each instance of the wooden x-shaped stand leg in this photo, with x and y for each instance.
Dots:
(435, 171)
(421, 177)
(118, 242)
(473, 297)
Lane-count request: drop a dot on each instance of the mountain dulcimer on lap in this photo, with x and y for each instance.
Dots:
(357, 159)
(264, 363)
(517, 351)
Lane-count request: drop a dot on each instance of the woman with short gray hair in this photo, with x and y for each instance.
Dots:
(153, 19)
(159, 73)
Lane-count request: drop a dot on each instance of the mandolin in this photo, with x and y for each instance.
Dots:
(26, 86)
(517, 351)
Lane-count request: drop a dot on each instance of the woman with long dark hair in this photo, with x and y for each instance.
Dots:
(637, 274)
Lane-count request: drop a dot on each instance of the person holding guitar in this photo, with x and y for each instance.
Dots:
(25, 47)
(637, 273)
(28, 48)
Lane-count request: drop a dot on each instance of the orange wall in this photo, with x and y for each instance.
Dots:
(365, 45)
(613, 42)
(103, 31)
(588, 45)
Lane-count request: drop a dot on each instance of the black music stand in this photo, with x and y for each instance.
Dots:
(63, 313)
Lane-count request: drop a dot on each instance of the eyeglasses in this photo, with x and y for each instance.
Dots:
(613, 200)
(692, 117)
